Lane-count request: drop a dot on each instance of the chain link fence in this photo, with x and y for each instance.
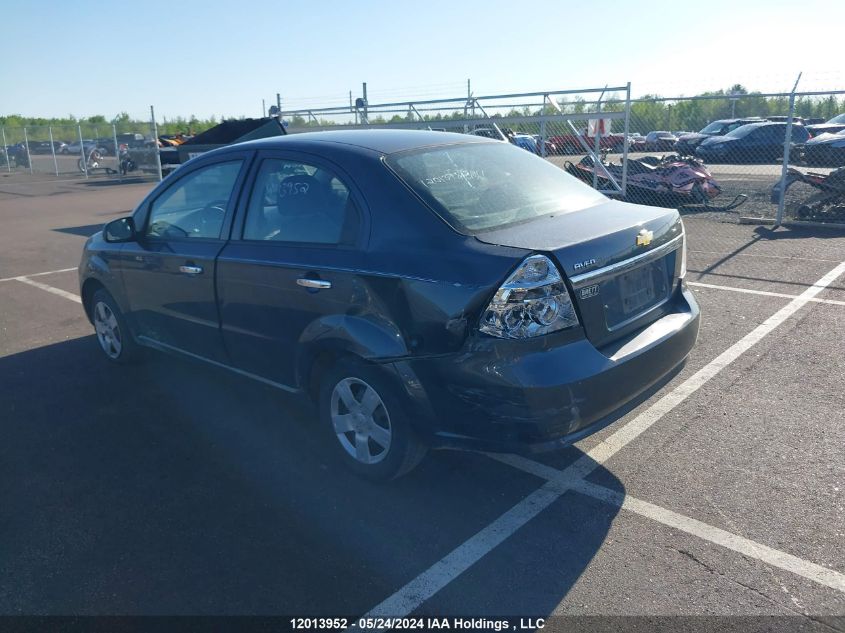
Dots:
(82, 150)
(767, 156)
(725, 155)
(749, 145)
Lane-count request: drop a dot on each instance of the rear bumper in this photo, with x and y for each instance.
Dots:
(502, 396)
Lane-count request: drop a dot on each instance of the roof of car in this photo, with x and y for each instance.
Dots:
(383, 141)
(751, 119)
(756, 124)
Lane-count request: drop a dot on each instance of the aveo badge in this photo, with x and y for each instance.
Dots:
(585, 264)
(589, 291)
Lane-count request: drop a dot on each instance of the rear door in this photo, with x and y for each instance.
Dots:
(766, 143)
(169, 272)
(292, 262)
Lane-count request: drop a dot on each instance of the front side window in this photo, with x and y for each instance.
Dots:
(771, 133)
(713, 128)
(293, 201)
(743, 130)
(195, 206)
(484, 186)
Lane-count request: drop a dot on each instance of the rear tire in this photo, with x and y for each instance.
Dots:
(367, 421)
(113, 335)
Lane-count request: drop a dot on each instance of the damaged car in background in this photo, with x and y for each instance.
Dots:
(424, 289)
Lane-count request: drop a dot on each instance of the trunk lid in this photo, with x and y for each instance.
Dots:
(621, 278)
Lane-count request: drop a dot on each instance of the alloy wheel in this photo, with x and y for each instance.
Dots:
(361, 421)
(108, 330)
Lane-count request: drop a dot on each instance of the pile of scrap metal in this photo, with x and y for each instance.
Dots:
(670, 181)
(173, 140)
(826, 203)
(174, 151)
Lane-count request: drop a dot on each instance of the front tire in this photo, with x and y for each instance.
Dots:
(113, 335)
(367, 421)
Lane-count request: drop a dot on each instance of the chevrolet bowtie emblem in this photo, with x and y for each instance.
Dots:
(644, 237)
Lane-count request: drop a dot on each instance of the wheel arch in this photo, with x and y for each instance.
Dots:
(97, 273)
(326, 340)
(89, 287)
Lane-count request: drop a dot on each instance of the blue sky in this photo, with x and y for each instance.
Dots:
(222, 58)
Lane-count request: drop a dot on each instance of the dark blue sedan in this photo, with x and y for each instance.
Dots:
(752, 143)
(425, 289)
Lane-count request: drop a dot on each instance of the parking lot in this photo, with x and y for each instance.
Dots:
(172, 488)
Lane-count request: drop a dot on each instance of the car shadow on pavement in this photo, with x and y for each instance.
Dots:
(793, 232)
(174, 488)
(115, 182)
(85, 231)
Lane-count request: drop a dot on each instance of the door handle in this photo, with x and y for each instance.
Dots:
(320, 284)
(190, 270)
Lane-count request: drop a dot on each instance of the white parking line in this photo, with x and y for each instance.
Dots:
(764, 293)
(56, 291)
(49, 272)
(423, 587)
(752, 549)
(747, 547)
(444, 571)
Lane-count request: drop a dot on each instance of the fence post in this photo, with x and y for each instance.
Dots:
(6, 152)
(543, 137)
(787, 146)
(53, 149)
(28, 155)
(82, 151)
(155, 142)
(598, 141)
(116, 150)
(625, 142)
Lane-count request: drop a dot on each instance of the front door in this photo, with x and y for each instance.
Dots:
(169, 272)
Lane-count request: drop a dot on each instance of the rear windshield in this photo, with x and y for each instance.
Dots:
(478, 187)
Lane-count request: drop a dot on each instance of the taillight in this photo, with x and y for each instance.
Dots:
(533, 301)
(683, 271)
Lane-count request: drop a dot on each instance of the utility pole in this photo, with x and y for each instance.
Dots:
(366, 116)
(263, 109)
(279, 102)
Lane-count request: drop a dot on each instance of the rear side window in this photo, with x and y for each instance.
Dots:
(293, 201)
(484, 186)
(799, 134)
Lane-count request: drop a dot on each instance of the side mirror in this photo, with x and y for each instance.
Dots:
(120, 230)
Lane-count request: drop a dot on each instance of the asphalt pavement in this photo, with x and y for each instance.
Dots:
(171, 488)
